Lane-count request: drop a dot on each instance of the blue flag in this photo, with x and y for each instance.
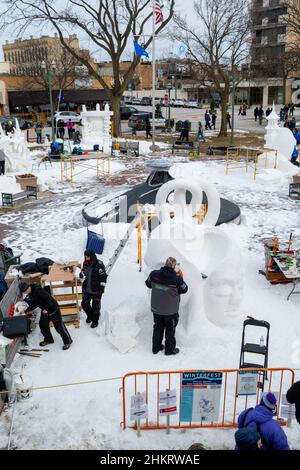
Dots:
(139, 51)
(61, 97)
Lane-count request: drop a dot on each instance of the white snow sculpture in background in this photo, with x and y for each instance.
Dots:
(200, 249)
(14, 146)
(96, 128)
(282, 140)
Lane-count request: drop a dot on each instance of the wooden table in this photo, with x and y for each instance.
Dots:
(66, 290)
(290, 271)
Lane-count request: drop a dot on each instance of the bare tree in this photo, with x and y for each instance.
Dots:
(67, 69)
(293, 18)
(108, 24)
(218, 45)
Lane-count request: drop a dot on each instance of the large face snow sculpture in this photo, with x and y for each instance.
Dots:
(17, 154)
(200, 249)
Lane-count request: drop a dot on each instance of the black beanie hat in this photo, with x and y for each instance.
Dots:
(23, 286)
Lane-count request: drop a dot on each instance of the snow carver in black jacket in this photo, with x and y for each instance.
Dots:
(36, 296)
(95, 277)
(167, 286)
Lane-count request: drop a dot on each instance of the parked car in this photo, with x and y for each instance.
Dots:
(66, 116)
(192, 104)
(179, 103)
(138, 120)
(127, 111)
(146, 101)
(136, 101)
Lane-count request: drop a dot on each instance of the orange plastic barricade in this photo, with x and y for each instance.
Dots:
(229, 398)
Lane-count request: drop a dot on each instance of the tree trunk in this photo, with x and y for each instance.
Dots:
(115, 106)
(224, 104)
(284, 90)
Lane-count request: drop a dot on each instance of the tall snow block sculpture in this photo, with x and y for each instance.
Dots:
(209, 258)
(17, 154)
(96, 128)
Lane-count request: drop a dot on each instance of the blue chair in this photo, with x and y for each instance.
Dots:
(95, 242)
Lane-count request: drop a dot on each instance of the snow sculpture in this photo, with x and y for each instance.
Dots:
(17, 154)
(96, 128)
(282, 140)
(200, 249)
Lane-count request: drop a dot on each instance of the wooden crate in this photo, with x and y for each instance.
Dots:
(28, 278)
(69, 301)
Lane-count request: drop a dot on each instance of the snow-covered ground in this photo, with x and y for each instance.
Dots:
(89, 416)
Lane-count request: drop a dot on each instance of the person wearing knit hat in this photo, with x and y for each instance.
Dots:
(261, 419)
(269, 401)
(38, 297)
(247, 439)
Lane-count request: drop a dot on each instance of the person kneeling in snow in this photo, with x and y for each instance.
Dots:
(261, 419)
(95, 277)
(37, 296)
(167, 286)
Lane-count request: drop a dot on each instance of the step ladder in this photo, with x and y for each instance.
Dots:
(255, 348)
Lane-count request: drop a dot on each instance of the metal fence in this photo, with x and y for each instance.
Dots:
(226, 405)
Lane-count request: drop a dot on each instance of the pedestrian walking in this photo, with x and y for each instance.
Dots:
(207, 120)
(148, 128)
(94, 275)
(256, 113)
(240, 111)
(281, 114)
(61, 129)
(2, 162)
(167, 286)
(39, 130)
(261, 419)
(200, 133)
(293, 397)
(292, 109)
(36, 296)
(213, 120)
(260, 115)
(70, 127)
(228, 119)
(268, 112)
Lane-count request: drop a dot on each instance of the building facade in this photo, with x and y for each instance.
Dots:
(268, 78)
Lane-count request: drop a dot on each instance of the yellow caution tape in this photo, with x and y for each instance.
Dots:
(47, 387)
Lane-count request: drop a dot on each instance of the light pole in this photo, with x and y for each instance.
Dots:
(235, 80)
(49, 74)
(169, 88)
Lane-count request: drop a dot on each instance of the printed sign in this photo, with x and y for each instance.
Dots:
(168, 403)
(139, 407)
(201, 396)
(166, 100)
(247, 384)
(287, 410)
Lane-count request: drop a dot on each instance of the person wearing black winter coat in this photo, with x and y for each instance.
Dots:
(38, 297)
(94, 275)
(293, 397)
(167, 286)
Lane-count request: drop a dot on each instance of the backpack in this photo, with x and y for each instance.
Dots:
(242, 425)
(43, 265)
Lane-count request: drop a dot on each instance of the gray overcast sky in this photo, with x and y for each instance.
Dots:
(184, 6)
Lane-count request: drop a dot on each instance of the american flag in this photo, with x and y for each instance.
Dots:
(159, 17)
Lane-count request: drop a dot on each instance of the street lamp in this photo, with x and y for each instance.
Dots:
(169, 88)
(49, 74)
(235, 80)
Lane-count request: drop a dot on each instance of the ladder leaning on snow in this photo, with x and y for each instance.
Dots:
(122, 244)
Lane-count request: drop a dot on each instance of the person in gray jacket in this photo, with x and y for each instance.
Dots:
(167, 286)
(2, 162)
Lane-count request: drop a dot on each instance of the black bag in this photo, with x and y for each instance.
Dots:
(28, 268)
(15, 326)
(43, 265)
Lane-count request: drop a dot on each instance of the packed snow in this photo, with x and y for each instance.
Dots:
(88, 416)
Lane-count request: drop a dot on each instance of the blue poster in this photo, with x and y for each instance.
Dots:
(200, 397)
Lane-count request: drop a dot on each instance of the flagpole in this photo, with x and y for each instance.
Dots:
(153, 76)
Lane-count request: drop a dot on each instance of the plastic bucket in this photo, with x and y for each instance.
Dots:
(23, 385)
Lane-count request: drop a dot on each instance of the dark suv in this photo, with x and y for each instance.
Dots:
(126, 112)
